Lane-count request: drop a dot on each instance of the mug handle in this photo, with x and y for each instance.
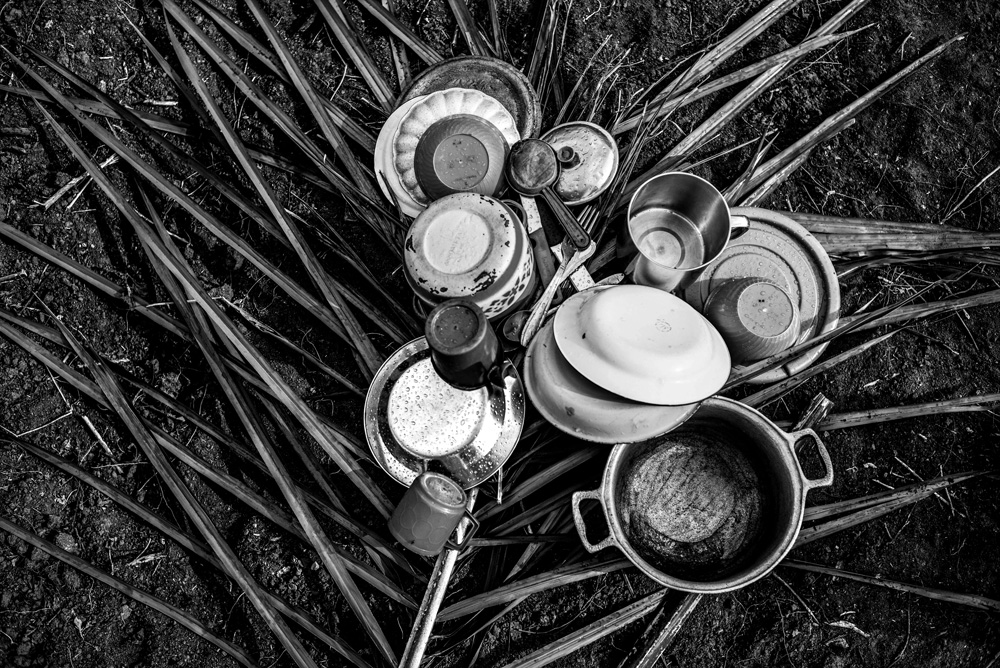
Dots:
(827, 479)
(518, 210)
(738, 226)
(469, 533)
(581, 528)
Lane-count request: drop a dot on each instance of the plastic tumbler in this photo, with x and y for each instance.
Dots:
(428, 514)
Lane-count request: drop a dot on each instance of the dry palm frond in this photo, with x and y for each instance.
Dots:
(823, 224)
(773, 392)
(467, 26)
(764, 190)
(835, 122)
(974, 404)
(971, 600)
(661, 632)
(196, 513)
(753, 370)
(340, 25)
(559, 577)
(154, 121)
(238, 489)
(194, 545)
(814, 513)
(370, 359)
(138, 595)
(672, 102)
(332, 441)
(252, 423)
(350, 127)
(591, 633)
(401, 31)
(918, 311)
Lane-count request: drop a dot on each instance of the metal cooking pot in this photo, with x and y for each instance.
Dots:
(781, 484)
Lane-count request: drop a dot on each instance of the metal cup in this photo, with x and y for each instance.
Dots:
(428, 514)
(679, 223)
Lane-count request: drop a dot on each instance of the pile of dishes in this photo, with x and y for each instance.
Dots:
(624, 363)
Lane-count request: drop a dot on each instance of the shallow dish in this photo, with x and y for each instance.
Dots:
(498, 79)
(643, 344)
(433, 108)
(404, 467)
(587, 411)
(385, 172)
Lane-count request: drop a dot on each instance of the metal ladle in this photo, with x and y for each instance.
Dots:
(532, 169)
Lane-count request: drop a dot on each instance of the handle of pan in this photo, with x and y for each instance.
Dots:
(581, 528)
(827, 479)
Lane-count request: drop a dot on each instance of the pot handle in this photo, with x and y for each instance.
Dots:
(581, 528)
(827, 479)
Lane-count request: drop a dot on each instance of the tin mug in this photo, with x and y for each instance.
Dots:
(679, 223)
(428, 514)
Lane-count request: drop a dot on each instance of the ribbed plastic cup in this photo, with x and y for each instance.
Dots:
(756, 317)
(428, 514)
(464, 348)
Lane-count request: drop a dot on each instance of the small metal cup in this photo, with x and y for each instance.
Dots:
(679, 223)
(428, 514)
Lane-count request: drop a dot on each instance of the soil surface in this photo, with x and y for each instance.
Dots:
(923, 153)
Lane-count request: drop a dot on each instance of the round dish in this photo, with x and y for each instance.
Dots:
(501, 81)
(780, 250)
(404, 467)
(595, 161)
(385, 172)
(432, 109)
(643, 344)
(584, 410)
(460, 153)
(468, 245)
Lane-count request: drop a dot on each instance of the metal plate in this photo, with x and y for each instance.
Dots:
(598, 153)
(779, 249)
(494, 77)
(404, 467)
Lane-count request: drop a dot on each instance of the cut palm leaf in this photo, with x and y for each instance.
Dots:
(192, 508)
(835, 122)
(974, 404)
(370, 359)
(138, 595)
(779, 389)
(189, 542)
(773, 362)
(344, 32)
(971, 600)
(814, 513)
(401, 31)
(242, 404)
(331, 440)
(661, 632)
(238, 489)
(918, 311)
(467, 26)
(559, 577)
(590, 633)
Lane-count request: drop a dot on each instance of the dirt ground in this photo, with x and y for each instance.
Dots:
(919, 155)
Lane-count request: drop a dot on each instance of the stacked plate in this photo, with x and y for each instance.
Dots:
(624, 363)
(448, 141)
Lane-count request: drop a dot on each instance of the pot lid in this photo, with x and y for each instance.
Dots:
(492, 76)
(780, 250)
(588, 155)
